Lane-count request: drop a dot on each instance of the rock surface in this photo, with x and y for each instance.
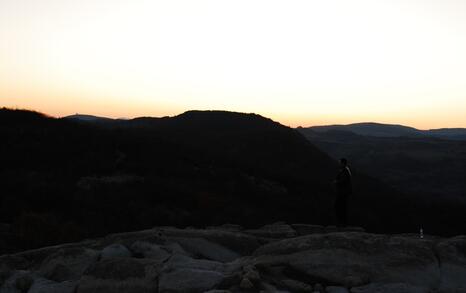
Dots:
(274, 258)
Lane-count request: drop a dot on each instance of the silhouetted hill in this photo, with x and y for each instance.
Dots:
(16, 117)
(390, 130)
(448, 133)
(371, 129)
(64, 180)
(88, 118)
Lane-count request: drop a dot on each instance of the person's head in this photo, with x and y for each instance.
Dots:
(343, 162)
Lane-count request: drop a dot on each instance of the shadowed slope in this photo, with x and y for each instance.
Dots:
(63, 180)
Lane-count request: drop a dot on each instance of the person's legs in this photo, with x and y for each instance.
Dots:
(341, 211)
(344, 210)
(338, 214)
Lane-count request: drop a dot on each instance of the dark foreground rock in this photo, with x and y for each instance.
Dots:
(275, 258)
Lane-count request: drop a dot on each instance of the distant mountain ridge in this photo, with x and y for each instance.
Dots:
(362, 128)
(87, 118)
(392, 130)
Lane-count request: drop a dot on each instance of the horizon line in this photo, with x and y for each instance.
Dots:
(221, 110)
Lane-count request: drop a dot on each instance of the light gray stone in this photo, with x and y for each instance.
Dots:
(253, 276)
(227, 227)
(239, 243)
(331, 229)
(115, 250)
(67, 264)
(183, 261)
(306, 229)
(13, 263)
(206, 249)
(149, 250)
(269, 288)
(296, 286)
(189, 280)
(389, 288)
(277, 231)
(246, 284)
(130, 285)
(41, 285)
(336, 289)
(120, 275)
(452, 261)
(353, 259)
(352, 229)
(18, 282)
(180, 260)
(117, 269)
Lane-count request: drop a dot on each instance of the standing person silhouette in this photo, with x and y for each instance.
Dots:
(344, 190)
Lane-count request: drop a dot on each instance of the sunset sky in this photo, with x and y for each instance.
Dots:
(297, 62)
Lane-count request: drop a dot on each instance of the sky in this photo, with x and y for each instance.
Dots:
(301, 63)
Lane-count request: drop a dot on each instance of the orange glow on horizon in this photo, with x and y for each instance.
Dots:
(298, 62)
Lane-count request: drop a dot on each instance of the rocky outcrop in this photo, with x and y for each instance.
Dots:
(228, 258)
(452, 262)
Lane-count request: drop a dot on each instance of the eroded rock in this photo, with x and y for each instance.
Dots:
(274, 260)
(115, 250)
(18, 282)
(336, 289)
(452, 262)
(355, 259)
(189, 280)
(205, 249)
(67, 264)
(306, 229)
(41, 285)
(149, 250)
(277, 230)
(389, 288)
(120, 275)
(296, 286)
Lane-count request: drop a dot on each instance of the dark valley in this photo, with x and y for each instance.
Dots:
(69, 179)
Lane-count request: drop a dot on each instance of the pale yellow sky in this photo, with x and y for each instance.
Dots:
(298, 62)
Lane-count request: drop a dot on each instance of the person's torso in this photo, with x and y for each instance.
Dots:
(344, 179)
